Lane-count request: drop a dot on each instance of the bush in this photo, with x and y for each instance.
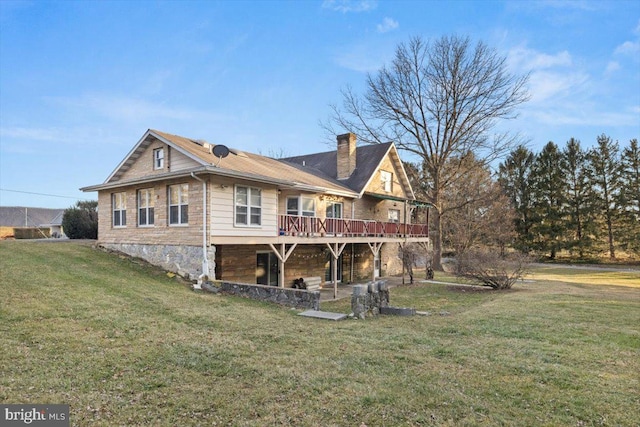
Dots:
(489, 268)
(81, 221)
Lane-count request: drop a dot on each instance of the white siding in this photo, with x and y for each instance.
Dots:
(223, 215)
(180, 162)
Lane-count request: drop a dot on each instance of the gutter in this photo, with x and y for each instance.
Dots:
(205, 261)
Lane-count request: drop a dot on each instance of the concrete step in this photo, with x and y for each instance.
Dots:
(317, 314)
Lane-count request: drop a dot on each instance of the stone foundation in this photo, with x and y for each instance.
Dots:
(183, 260)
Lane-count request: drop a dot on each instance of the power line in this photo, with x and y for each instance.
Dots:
(39, 194)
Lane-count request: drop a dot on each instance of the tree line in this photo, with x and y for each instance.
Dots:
(586, 202)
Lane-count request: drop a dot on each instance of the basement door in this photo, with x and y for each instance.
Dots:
(328, 272)
(267, 268)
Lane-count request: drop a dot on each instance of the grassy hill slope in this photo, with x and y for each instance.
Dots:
(123, 344)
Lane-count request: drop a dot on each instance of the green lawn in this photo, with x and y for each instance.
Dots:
(124, 344)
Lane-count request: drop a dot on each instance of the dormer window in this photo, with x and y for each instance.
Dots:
(158, 158)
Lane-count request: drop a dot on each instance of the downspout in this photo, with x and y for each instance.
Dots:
(205, 261)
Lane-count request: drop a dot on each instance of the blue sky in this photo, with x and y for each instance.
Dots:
(80, 82)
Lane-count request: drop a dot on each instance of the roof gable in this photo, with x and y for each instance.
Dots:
(369, 158)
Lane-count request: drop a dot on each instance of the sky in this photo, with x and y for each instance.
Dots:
(82, 81)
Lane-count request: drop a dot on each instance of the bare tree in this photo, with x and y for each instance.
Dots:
(437, 100)
(476, 211)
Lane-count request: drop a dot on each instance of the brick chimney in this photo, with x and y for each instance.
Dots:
(346, 155)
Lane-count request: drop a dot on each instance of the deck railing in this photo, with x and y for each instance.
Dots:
(310, 226)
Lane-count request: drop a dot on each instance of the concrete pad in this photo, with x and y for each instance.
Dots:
(323, 315)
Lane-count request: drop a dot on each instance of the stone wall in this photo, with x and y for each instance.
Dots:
(297, 298)
(183, 260)
(368, 300)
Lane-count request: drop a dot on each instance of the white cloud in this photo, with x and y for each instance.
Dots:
(545, 85)
(628, 48)
(346, 6)
(523, 58)
(612, 66)
(126, 109)
(387, 25)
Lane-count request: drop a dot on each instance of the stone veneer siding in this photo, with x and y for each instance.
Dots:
(183, 260)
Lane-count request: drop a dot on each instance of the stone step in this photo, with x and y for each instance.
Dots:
(317, 314)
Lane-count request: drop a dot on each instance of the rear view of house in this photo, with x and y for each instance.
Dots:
(198, 208)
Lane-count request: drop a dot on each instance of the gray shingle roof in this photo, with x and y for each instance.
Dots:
(368, 158)
(19, 216)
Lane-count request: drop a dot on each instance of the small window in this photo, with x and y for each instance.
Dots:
(394, 215)
(292, 206)
(146, 204)
(179, 204)
(119, 204)
(308, 206)
(248, 206)
(158, 158)
(301, 206)
(386, 179)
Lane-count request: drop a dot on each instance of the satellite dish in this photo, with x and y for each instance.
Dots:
(221, 151)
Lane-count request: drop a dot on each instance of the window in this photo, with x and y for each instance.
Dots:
(334, 210)
(119, 203)
(158, 158)
(394, 215)
(178, 204)
(386, 179)
(248, 206)
(306, 208)
(146, 202)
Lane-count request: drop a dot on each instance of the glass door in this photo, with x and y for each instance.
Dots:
(328, 272)
(267, 268)
(334, 211)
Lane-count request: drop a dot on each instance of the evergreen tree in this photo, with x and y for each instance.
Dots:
(514, 177)
(549, 195)
(579, 211)
(81, 221)
(605, 175)
(630, 196)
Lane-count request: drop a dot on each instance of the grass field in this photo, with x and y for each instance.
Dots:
(123, 344)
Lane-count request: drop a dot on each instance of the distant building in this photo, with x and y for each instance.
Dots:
(20, 216)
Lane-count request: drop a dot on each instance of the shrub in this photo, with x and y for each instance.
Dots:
(489, 268)
(81, 221)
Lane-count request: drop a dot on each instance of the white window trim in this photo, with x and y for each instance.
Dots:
(301, 211)
(389, 215)
(169, 205)
(158, 157)
(248, 206)
(113, 210)
(150, 204)
(386, 179)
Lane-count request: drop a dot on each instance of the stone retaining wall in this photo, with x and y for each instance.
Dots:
(289, 297)
(181, 259)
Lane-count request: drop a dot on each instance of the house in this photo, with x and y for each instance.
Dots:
(26, 217)
(202, 209)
